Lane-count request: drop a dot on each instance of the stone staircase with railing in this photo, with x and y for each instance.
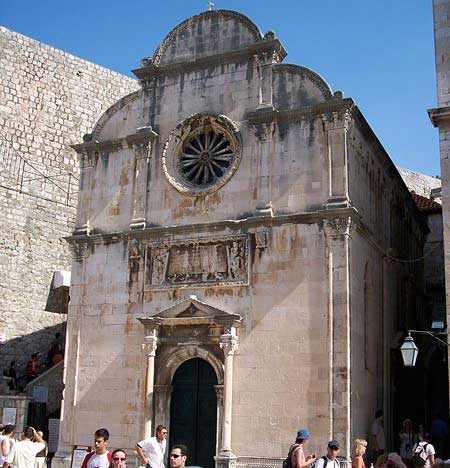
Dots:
(52, 379)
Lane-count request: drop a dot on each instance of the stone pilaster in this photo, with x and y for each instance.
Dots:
(337, 232)
(219, 396)
(264, 133)
(82, 226)
(264, 63)
(150, 345)
(337, 128)
(229, 345)
(142, 153)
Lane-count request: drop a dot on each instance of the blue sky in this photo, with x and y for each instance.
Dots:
(379, 52)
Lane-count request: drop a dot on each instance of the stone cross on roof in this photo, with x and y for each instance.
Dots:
(210, 5)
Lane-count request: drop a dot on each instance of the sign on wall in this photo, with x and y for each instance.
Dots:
(53, 434)
(78, 457)
(9, 416)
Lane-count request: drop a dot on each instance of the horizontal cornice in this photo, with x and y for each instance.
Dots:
(245, 223)
(307, 112)
(271, 47)
(438, 115)
(140, 137)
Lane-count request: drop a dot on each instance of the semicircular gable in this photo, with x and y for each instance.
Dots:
(296, 86)
(209, 33)
(112, 111)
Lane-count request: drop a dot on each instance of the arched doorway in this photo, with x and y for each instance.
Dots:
(193, 411)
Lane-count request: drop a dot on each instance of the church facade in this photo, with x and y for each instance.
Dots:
(235, 272)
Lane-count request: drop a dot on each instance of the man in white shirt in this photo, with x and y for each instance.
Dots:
(23, 454)
(330, 459)
(151, 451)
(425, 450)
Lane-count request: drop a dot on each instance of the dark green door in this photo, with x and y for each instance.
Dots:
(193, 411)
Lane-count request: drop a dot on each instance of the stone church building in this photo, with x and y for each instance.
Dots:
(234, 269)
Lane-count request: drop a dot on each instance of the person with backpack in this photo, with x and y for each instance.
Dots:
(296, 456)
(423, 453)
(330, 459)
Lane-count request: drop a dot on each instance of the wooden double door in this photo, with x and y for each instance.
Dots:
(193, 411)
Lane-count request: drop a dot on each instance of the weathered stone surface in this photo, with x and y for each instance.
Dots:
(322, 207)
(48, 100)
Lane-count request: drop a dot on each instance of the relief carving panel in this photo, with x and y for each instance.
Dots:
(201, 262)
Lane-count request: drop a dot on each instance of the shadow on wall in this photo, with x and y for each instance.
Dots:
(19, 349)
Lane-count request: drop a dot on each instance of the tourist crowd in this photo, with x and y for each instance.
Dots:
(416, 450)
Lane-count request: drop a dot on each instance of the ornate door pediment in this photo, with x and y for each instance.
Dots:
(193, 318)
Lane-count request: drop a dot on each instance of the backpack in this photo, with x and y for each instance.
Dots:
(325, 462)
(287, 462)
(419, 457)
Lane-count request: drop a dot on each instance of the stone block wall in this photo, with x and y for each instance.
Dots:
(421, 184)
(441, 14)
(48, 100)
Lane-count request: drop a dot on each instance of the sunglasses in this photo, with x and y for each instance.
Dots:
(174, 455)
(119, 459)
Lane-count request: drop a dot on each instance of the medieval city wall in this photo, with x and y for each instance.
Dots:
(48, 100)
(421, 184)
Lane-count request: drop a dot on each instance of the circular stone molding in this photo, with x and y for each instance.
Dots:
(202, 153)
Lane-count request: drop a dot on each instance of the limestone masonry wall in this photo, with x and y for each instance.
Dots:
(48, 100)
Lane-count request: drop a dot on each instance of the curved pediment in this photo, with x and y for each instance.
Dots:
(209, 33)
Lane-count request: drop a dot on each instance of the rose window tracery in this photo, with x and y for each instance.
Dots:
(202, 153)
(206, 158)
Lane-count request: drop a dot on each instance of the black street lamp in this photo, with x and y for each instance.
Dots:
(409, 349)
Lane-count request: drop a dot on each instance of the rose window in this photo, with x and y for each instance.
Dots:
(202, 153)
(206, 157)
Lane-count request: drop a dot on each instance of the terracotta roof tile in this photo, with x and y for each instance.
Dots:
(427, 205)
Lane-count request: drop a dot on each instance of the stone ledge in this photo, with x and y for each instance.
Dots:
(438, 114)
(292, 115)
(154, 71)
(140, 137)
(250, 222)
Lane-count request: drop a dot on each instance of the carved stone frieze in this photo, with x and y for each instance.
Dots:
(202, 262)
